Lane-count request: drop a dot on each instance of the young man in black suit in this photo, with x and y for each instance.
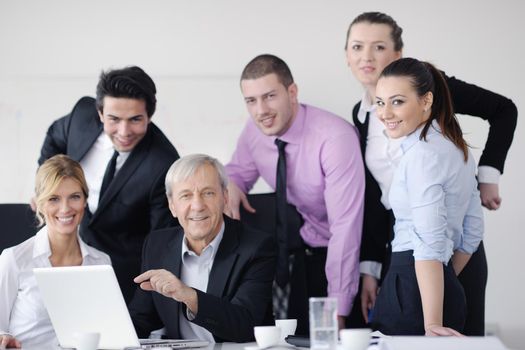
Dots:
(125, 158)
(210, 279)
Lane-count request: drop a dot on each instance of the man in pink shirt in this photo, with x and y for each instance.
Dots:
(324, 181)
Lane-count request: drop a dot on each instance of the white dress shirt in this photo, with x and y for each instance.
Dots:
(382, 153)
(94, 164)
(195, 272)
(22, 311)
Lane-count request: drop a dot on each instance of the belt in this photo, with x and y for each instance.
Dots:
(310, 251)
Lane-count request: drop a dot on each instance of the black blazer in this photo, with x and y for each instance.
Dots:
(469, 99)
(134, 204)
(239, 294)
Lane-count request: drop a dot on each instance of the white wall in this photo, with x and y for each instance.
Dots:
(52, 51)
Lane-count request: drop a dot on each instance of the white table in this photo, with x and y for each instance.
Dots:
(391, 343)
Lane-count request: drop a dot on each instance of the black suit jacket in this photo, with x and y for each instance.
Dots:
(469, 99)
(239, 293)
(135, 202)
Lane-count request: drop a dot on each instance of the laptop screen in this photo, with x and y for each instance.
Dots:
(86, 299)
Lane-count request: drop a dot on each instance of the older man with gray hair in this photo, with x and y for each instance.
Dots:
(211, 278)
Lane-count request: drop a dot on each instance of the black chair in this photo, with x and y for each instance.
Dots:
(17, 223)
(264, 217)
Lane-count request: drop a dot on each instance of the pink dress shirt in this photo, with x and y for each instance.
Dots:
(325, 181)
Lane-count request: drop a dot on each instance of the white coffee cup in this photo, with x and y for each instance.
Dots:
(267, 336)
(355, 339)
(287, 326)
(86, 340)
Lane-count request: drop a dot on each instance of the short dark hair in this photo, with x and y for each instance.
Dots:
(267, 64)
(129, 82)
(379, 18)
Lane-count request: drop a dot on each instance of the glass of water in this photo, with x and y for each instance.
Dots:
(323, 323)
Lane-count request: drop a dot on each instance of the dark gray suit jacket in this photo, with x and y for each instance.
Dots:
(239, 294)
(134, 204)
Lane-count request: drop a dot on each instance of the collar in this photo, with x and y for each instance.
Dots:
(295, 133)
(414, 137)
(105, 141)
(41, 246)
(365, 107)
(212, 247)
(107, 144)
(85, 249)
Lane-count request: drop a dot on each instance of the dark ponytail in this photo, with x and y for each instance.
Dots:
(443, 112)
(424, 78)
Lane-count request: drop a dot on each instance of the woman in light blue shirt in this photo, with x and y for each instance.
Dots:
(435, 200)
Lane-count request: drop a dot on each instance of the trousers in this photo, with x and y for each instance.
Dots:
(398, 309)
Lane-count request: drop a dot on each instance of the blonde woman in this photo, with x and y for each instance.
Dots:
(61, 197)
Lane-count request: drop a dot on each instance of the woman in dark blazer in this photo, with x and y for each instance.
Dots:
(373, 41)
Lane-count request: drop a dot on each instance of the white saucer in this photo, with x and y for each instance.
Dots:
(251, 347)
(274, 347)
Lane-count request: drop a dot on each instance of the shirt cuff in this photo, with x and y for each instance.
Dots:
(239, 183)
(372, 268)
(190, 315)
(468, 248)
(344, 303)
(488, 175)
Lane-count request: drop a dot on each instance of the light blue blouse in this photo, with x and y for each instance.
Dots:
(435, 199)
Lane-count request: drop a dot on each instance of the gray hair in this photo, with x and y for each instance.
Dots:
(188, 165)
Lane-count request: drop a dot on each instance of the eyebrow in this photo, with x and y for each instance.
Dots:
(373, 42)
(210, 187)
(262, 95)
(391, 97)
(396, 95)
(134, 116)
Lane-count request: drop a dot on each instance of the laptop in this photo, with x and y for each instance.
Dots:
(88, 299)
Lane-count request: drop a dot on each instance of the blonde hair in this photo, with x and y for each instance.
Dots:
(49, 176)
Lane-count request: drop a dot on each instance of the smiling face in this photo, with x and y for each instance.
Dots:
(370, 49)
(125, 121)
(64, 208)
(271, 105)
(198, 202)
(399, 106)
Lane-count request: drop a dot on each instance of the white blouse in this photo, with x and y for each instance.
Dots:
(22, 311)
(382, 154)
